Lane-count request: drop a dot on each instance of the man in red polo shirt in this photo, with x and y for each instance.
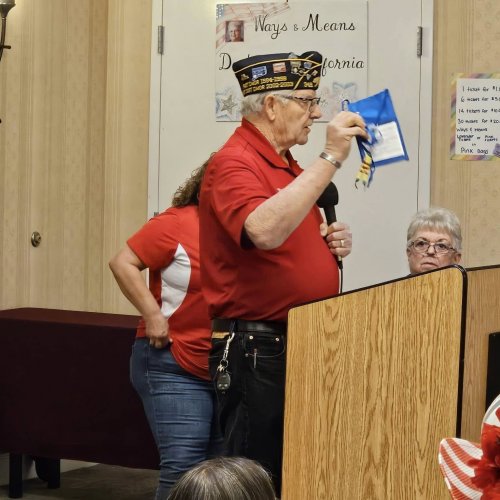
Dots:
(263, 244)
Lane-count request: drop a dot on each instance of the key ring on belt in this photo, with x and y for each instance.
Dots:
(224, 362)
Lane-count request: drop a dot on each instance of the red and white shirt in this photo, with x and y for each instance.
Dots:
(168, 245)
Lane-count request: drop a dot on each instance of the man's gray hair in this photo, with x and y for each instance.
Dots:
(436, 219)
(254, 103)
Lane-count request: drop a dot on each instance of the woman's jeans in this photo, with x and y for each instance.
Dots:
(180, 411)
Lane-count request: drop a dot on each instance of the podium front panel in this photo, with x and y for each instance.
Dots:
(483, 318)
(373, 384)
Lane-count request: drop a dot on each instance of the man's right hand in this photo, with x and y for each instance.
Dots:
(340, 131)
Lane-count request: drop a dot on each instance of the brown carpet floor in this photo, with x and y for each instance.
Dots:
(100, 482)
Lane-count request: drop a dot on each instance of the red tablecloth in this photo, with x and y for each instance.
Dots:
(65, 389)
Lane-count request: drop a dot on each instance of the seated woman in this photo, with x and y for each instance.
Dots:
(434, 240)
(225, 478)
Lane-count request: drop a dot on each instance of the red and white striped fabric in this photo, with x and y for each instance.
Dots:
(458, 460)
(454, 455)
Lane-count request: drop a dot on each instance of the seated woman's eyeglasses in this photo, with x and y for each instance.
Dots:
(309, 102)
(421, 246)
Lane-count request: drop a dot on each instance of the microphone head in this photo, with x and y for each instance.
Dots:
(329, 197)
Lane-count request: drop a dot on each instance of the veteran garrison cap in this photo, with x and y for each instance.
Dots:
(286, 71)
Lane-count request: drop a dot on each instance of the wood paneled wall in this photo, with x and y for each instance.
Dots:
(466, 39)
(127, 134)
(483, 318)
(74, 102)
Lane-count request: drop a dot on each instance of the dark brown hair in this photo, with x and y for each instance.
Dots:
(187, 193)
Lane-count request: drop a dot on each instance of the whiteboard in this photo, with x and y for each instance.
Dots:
(183, 131)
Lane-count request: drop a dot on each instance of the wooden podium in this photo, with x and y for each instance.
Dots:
(482, 319)
(373, 384)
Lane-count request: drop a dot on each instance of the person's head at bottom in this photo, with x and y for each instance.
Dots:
(433, 240)
(224, 478)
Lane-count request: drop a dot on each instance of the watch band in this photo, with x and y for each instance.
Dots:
(331, 159)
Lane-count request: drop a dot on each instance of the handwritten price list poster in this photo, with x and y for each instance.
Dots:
(475, 117)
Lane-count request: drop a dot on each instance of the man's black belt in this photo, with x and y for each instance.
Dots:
(244, 325)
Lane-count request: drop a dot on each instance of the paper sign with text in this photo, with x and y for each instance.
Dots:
(337, 30)
(475, 121)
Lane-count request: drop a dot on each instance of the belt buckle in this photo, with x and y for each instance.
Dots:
(219, 335)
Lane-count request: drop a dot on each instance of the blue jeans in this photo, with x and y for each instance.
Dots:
(251, 410)
(179, 408)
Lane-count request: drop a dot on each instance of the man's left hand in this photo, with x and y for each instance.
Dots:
(338, 237)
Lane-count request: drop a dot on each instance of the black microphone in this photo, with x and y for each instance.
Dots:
(327, 201)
